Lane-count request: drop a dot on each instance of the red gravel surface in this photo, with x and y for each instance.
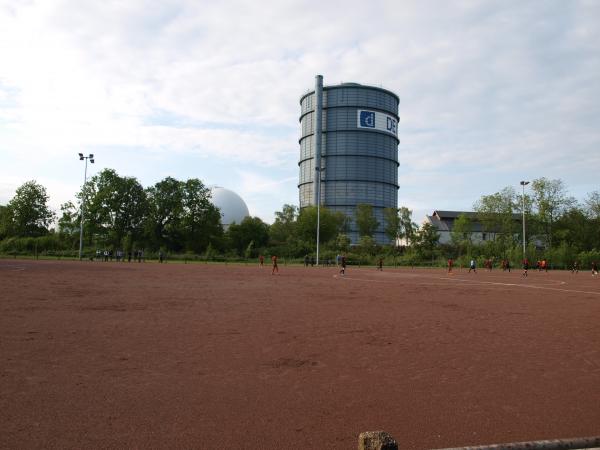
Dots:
(109, 355)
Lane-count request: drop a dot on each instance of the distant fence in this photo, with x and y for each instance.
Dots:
(380, 440)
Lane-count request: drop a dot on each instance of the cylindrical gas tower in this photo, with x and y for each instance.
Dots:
(358, 155)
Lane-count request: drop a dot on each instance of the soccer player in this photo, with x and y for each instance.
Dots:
(261, 261)
(380, 264)
(473, 266)
(343, 265)
(275, 268)
(594, 268)
(450, 264)
(575, 268)
(525, 267)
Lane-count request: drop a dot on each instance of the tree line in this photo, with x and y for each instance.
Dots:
(176, 217)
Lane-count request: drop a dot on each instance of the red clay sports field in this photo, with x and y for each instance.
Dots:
(109, 355)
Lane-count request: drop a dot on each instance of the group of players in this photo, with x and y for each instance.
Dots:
(488, 264)
(341, 261)
(541, 266)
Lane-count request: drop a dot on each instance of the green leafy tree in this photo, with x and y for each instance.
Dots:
(496, 212)
(575, 229)
(201, 220)
(551, 201)
(330, 224)
(115, 207)
(283, 229)
(407, 228)
(367, 245)
(461, 234)
(592, 203)
(427, 239)
(392, 224)
(342, 242)
(365, 220)
(164, 224)
(28, 213)
(68, 223)
(4, 222)
(251, 230)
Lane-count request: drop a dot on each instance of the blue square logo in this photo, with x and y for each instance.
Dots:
(367, 119)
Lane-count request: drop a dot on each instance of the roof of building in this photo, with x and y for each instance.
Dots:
(444, 220)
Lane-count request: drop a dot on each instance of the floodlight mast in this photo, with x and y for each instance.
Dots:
(523, 184)
(81, 158)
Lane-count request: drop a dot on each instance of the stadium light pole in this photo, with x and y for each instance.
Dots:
(523, 184)
(82, 158)
(318, 171)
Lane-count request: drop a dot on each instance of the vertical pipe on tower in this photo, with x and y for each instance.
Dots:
(318, 136)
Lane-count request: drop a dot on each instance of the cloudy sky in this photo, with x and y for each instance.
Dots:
(492, 92)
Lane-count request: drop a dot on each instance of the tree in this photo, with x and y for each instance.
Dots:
(342, 242)
(365, 220)
(593, 212)
(427, 239)
(330, 224)
(367, 245)
(551, 201)
(201, 220)
(252, 230)
(115, 207)
(593, 204)
(4, 222)
(496, 212)
(28, 213)
(407, 228)
(283, 229)
(392, 224)
(461, 234)
(164, 220)
(575, 229)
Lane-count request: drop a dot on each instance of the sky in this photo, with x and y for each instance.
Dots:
(491, 92)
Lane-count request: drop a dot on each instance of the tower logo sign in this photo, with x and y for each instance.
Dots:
(367, 119)
(377, 121)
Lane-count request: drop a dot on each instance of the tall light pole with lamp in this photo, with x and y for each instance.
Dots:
(523, 184)
(81, 158)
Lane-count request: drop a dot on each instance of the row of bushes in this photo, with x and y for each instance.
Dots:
(562, 257)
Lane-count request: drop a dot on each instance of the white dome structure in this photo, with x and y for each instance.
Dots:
(232, 206)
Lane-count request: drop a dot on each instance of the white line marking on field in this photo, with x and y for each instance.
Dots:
(530, 286)
(496, 283)
(12, 267)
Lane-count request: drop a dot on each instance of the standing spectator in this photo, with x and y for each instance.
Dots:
(261, 261)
